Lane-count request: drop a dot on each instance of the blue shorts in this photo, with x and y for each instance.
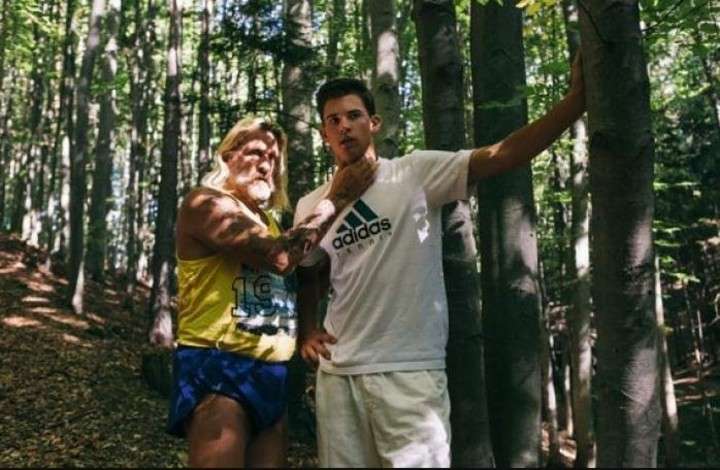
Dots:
(259, 386)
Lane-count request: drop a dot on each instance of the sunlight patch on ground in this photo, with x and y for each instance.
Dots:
(35, 298)
(13, 268)
(43, 309)
(68, 338)
(17, 321)
(96, 318)
(40, 286)
(65, 319)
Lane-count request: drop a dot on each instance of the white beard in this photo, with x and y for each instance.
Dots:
(260, 192)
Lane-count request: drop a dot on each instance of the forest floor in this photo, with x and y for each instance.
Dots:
(72, 393)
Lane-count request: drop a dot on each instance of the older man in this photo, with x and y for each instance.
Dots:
(236, 302)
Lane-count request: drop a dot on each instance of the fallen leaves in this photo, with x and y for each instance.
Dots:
(71, 392)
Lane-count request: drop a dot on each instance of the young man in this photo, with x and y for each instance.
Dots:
(381, 387)
(236, 311)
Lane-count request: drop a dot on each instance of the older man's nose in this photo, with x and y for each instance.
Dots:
(264, 167)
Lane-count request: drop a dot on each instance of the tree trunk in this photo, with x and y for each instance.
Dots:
(163, 260)
(4, 23)
(57, 222)
(667, 387)
(141, 68)
(204, 152)
(297, 87)
(549, 398)
(297, 90)
(712, 445)
(441, 75)
(621, 175)
(5, 150)
(511, 298)
(579, 324)
(78, 158)
(386, 74)
(102, 183)
(336, 31)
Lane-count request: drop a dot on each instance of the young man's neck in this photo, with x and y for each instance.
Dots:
(369, 155)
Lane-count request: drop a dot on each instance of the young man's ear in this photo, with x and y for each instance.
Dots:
(375, 123)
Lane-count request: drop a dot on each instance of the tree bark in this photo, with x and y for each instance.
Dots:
(140, 64)
(511, 296)
(163, 260)
(102, 183)
(204, 152)
(621, 175)
(442, 88)
(667, 387)
(337, 25)
(297, 87)
(386, 74)
(579, 324)
(57, 222)
(78, 158)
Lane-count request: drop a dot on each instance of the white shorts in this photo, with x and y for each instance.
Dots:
(389, 419)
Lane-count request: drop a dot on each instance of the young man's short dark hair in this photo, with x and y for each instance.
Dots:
(339, 87)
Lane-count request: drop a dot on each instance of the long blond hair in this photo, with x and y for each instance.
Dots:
(236, 138)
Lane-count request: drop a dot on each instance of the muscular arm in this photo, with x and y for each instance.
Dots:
(218, 223)
(524, 144)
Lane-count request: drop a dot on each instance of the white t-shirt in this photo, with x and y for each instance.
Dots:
(388, 308)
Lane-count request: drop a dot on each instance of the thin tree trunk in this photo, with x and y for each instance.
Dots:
(297, 89)
(712, 446)
(204, 152)
(25, 177)
(102, 184)
(336, 30)
(386, 74)
(441, 74)
(5, 150)
(163, 260)
(57, 223)
(579, 324)
(549, 395)
(511, 295)
(621, 175)
(670, 430)
(5, 23)
(141, 75)
(78, 159)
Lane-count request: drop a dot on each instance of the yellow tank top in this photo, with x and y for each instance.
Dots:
(230, 306)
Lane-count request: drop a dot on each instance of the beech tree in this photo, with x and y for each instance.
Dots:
(443, 122)
(623, 282)
(511, 297)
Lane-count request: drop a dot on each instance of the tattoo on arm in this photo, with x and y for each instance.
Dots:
(300, 240)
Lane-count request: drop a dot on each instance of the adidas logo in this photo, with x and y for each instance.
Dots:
(360, 224)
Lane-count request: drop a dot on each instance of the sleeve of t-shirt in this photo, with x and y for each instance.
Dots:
(304, 208)
(443, 175)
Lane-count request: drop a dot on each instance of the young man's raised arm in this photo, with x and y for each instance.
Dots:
(217, 222)
(524, 144)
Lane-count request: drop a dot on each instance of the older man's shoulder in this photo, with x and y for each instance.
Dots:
(208, 200)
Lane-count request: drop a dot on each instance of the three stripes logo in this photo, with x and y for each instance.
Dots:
(360, 224)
